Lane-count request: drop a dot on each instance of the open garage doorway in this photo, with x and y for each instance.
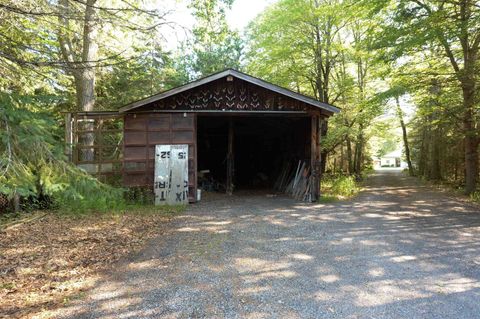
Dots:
(260, 147)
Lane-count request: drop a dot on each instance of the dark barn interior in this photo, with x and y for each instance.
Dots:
(261, 145)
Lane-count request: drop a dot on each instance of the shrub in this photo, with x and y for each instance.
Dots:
(339, 186)
(81, 193)
(475, 196)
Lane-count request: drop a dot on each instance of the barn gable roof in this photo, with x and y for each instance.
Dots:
(237, 74)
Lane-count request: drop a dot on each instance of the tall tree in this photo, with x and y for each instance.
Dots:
(297, 44)
(300, 40)
(80, 64)
(454, 26)
(406, 146)
(214, 46)
(322, 49)
(80, 37)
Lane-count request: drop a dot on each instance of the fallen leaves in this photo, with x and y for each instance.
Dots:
(48, 261)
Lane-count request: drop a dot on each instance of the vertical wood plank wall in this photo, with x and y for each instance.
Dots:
(142, 131)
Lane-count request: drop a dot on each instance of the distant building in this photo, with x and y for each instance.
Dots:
(392, 159)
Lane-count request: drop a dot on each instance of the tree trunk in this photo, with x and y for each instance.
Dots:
(349, 155)
(405, 138)
(357, 163)
(434, 169)
(471, 139)
(16, 202)
(84, 72)
(341, 159)
(435, 173)
(86, 96)
(423, 153)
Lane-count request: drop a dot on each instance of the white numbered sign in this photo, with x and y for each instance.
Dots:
(171, 174)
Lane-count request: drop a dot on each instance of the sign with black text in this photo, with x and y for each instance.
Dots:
(171, 174)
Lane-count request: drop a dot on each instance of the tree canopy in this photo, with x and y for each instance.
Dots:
(405, 74)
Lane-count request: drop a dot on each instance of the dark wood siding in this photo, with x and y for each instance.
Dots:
(221, 95)
(144, 131)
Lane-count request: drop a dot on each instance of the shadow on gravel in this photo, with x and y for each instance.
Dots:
(399, 250)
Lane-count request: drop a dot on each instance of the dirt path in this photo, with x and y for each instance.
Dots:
(399, 250)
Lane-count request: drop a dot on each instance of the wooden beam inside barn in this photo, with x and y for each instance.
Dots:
(314, 157)
(230, 157)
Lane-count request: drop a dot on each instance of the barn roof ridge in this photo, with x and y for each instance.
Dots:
(239, 75)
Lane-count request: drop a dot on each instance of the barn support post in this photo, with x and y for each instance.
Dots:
(323, 130)
(230, 157)
(314, 159)
(321, 156)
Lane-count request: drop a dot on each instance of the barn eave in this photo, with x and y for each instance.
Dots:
(329, 109)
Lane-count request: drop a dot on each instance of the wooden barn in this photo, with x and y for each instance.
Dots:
(241, 132)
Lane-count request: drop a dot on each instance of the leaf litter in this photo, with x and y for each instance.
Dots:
(52, 260)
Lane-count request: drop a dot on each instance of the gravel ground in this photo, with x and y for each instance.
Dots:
(398, 250)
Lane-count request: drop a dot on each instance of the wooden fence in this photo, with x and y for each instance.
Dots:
(94, 142)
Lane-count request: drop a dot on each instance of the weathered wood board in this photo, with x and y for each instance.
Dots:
(146, 130)
(171, 174)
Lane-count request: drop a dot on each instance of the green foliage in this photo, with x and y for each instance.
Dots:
(82, 193)
(32, 164)
(339, 186)
(323, 49)
(152, 72)
(28, 143)
(214, 47)
(387, 146)
(475, 197)
(140, 195)
(433, 47)
(217, 56)
(38, 81)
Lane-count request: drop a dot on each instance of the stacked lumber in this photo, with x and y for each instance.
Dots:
(294, 180)
(284, 176)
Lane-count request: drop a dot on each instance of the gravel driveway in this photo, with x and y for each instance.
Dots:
(399, 250)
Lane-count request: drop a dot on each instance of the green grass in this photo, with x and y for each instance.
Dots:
(338, 187)
(325, 199)
(115, 200)
(115, 203)
(475, 197)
